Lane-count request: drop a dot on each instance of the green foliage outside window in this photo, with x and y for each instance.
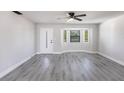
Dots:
(65, 36)
(86, 36)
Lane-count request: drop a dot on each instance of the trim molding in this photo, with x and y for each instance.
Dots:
(11, 68)
(111, 58)
(67, 51)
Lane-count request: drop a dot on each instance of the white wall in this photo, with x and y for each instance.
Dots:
(111, 38)
(16, 39)
(91, 46)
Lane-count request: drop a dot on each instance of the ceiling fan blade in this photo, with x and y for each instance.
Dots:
(82, 15)
(17, 12)
(77, 19)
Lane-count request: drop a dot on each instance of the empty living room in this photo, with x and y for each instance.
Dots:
(61, 46)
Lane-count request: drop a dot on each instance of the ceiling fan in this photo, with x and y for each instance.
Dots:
(72, 16)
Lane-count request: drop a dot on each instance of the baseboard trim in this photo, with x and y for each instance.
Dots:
(67, 51)
(2, 74)
(111, 58)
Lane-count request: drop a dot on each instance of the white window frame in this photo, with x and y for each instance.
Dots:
(82, 32)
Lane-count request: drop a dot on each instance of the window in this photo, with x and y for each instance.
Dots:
(74, 35)
(65, 36)
(86, 36)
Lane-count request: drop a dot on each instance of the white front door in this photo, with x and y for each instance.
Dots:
(46, 40)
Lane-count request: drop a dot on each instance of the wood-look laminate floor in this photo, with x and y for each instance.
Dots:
(67, 67)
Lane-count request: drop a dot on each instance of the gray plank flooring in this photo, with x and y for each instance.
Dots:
(67, 67)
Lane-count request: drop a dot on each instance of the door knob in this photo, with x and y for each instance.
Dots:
(51, 41)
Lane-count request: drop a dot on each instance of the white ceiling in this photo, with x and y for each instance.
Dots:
(52, 16)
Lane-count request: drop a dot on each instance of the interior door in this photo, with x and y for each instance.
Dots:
(46, 40)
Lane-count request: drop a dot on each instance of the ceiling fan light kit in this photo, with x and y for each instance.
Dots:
(69, 20)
